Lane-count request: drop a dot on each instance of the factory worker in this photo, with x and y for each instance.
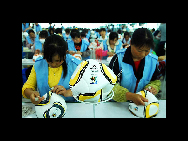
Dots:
(126, 40)
(78, 46)
(53, 70)
(67, 35)
(103, 36)
(39, 43)
(111, 45)
(38, 28)
(138, 67)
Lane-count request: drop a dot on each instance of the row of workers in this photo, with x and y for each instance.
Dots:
(135, 66)
(79, 44)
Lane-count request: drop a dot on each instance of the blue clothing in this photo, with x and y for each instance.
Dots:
(26, 26)
(38, 45)
(128, 78)
(50, 27)
(29, 39)
(88, 34)
(97, 34)
(41, 69)
(66, 38)
(38, 28)
(84, 47)
(105, 47)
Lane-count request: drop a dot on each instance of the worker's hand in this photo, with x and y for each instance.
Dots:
(78, 52)
(136, 98)
(37, 51)
(72, 52)
(161, 58)
(36, 96)
(151, 90)
(58, 89)
(110, 53)
(139, 100)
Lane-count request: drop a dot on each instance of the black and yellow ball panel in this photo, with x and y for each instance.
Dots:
(57, 105)
(107, 74)
(86, 96)
(47, 101)
(147, 110)
(143, 94)
(79, 74)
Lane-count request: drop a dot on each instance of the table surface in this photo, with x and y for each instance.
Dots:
(102, 110)
(26, 49)
(27, 62)
(31, 62)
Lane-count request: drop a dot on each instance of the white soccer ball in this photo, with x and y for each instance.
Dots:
(92, 82)
(150, 109)
(53, 106)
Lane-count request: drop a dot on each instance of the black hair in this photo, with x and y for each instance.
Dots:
(102, 29)
(119, 31)
(58, 30)
(67, 30)
(51, 29)
(83, 34)
(75, 33)
(54, 45)
(153, 29)
(113, 35)
(31, 30)
(142, 37)
(109, 30)
(126, 33)
(43, 34)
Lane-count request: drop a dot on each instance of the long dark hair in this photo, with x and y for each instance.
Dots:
(54, 45)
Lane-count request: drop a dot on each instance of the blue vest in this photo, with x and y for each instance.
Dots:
(38, 28)
(41, 69)
(84, 46)
(29, 40)
(26, 26)
(128, 79)
(88, 35)
(65, 37)
(38, 45)
(105, 47)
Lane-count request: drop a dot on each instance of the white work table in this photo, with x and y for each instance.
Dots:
(27, 62)
(31, 62)
(102, 110)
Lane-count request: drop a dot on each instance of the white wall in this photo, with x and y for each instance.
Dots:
(96, 25)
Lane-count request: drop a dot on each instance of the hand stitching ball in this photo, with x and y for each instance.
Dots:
(53, 106)
(92, 82)
(78, 56)
(150, 109)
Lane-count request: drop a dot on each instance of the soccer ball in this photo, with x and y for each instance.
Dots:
(53, 106)
(92, 82)
(150, 109)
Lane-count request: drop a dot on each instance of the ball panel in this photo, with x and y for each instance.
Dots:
(143, 94)
(107, 72)
(77, 73)
(152, 109)
(84, 97)
(43, 110)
